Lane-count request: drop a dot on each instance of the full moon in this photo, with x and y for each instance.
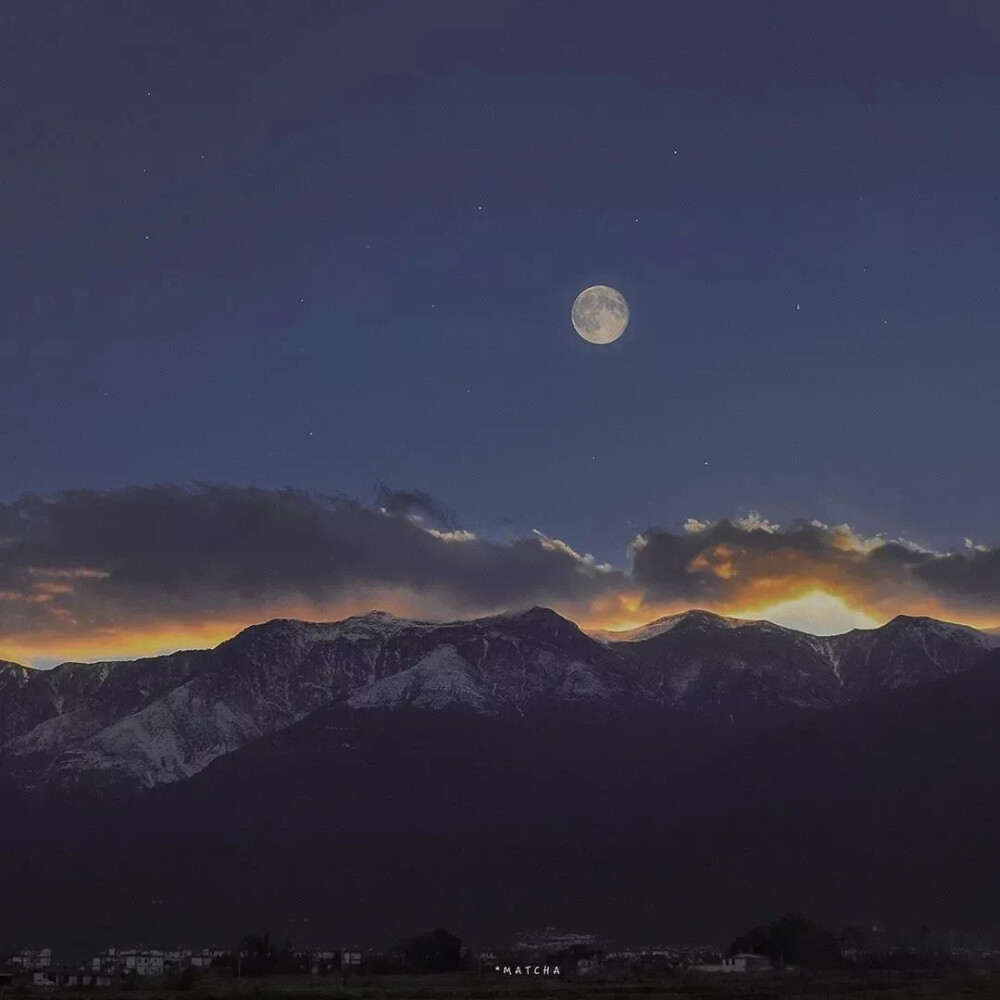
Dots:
(600, 314)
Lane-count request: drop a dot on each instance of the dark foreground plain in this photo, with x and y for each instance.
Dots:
(651, 986)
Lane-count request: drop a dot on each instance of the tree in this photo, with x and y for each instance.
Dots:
(791, 940)
(855, 938)
(284, 959)
(183, 979)
(568, 957)
(432, 951)
(258, 956)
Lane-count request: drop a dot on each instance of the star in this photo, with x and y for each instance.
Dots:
(797, 306)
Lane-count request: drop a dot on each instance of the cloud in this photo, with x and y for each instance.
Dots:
(415, 504)
(736, 563)
(146, 554)
(142, 569)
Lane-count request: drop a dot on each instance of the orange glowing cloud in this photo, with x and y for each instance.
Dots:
(89, 575)
(819, 577)
(153, 638)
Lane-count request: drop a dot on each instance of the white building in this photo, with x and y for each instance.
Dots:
(143, 962)
(108, 961)
(741, 962)
(321, 961)
(30, 958)
(204, 958)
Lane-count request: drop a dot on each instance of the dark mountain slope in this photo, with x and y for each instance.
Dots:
(886, 810)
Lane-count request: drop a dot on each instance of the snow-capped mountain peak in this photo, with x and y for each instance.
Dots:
(693, 619)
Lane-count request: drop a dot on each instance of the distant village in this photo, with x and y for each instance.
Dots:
(547, 953)
(553, 954)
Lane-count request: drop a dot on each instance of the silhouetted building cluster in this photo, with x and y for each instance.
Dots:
(788, 944)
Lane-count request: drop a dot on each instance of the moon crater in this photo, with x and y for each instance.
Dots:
(600, 314)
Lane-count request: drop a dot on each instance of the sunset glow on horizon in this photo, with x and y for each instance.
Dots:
(815, 611)
(90, 575)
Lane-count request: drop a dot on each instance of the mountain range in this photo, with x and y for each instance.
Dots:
(163, 719)
(376, 775)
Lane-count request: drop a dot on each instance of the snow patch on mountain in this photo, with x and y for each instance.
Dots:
(440, 679)
(56, 732)
(582, 681)
(669, 622)
(171, 739)
(682, 679)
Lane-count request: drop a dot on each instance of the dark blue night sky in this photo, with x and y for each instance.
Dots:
(325, 246)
